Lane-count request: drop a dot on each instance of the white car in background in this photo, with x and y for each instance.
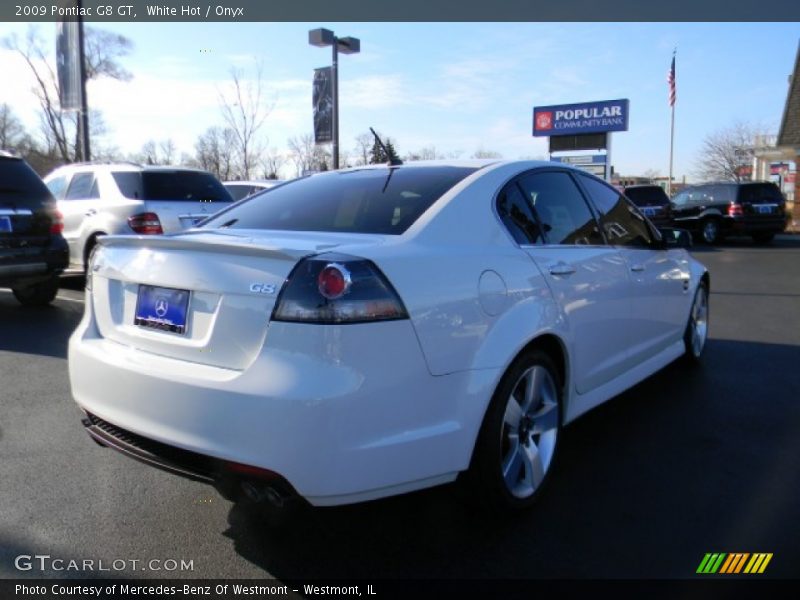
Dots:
(368, 332)
(118, 198)
(243, 189)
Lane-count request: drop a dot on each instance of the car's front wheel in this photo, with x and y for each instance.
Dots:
(519, 436)
(710, 232)
(696, 333)
(37, 294)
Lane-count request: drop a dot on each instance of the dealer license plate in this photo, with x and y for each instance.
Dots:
(162, 308)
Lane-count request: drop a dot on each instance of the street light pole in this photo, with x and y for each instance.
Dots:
(335, 86)
(348, 45)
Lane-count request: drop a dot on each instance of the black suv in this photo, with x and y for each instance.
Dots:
(653, 202)
(714, 210)
(33, 253)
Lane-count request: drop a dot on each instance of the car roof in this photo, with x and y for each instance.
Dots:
(122, 166)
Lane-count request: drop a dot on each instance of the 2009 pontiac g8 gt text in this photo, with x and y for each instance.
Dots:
(367, 332)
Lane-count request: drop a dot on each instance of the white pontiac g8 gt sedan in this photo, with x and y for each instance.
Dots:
(371, 331)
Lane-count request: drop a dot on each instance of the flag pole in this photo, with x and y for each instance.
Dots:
(672, 125)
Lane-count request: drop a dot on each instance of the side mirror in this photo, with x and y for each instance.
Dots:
(675, 238)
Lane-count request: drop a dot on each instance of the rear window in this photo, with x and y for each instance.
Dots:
(20, 186)
(760, 193)
(652, 195)
(170, 185)
(384, 201)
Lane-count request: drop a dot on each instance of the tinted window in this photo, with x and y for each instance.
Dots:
(20, 186)
(650, 195)
(760, 193)
(361, 201)
(681, 198)
(561, 208)
(81, 187)
(719, 194)
(170, 185)
(515, 212)
(621, 222)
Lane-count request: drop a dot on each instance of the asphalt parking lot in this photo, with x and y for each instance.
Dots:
(688, 462)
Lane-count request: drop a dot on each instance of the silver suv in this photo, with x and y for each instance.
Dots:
(116, 198)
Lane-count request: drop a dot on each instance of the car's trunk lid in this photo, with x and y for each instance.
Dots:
(231, 279)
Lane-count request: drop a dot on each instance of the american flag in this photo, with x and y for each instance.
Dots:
(671, 82)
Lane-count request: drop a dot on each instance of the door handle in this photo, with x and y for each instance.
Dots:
(91, 212)
(561, 269)
(637, 268)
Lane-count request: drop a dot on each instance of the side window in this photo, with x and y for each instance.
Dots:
(561, 209)
(622, 223)
(82, 187)
(57, 186)
(516, 215)
(681, 199)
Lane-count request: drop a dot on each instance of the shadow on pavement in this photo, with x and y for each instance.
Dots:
(692, 460)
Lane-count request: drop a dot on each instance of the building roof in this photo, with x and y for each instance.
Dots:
(789, 134)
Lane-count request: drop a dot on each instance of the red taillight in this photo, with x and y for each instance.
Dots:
(735, 210)
(335, 288)
(145, 223)
(333, 281)
(56, 223)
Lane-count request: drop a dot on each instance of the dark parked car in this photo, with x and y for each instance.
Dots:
(33, 252)
(714, 210)
(653, 202)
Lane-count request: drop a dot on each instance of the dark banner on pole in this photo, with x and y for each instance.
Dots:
(68, 61)
(322, 99)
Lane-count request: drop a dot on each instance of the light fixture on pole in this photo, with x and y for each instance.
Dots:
(345, 45)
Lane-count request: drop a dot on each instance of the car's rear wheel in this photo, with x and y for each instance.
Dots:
(37, 294)
(710, 231)
(519, 437)
(763, 238)
(696, 333)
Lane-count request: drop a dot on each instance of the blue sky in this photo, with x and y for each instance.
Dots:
(458, 87)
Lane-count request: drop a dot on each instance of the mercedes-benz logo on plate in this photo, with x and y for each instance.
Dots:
(162, 306)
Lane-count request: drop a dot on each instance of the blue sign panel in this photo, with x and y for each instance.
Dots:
(574, 119)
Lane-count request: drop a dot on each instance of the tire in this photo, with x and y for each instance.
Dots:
(518, 440)
(710, 231)
(37, 294)
(763, 238)
(696, 333)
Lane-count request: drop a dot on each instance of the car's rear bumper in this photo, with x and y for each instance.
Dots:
(354, 417)
(748, 226)
(26, 265)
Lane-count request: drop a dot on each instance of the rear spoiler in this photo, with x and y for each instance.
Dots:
(204, 241)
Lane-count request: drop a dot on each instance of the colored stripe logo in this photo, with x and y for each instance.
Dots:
(734, 563)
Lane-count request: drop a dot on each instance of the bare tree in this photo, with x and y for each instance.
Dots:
(364, 143)
(425, 153)
(651, 174)
(59, 129)
(163, 152)
(302, 152)
(214, 152)
(483, 153)
(168, 152)
(12, 132)
(244, 110)
(271, 163)
(724, 152)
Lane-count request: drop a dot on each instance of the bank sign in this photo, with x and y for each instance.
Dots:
(587, 117)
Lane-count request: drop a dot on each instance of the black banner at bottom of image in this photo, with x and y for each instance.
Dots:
(378, 589)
